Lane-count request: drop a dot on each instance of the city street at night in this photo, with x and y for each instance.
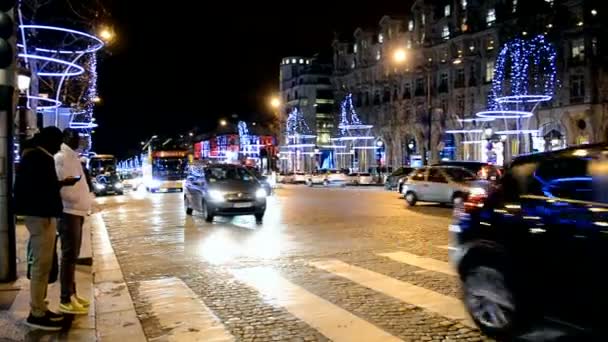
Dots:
(336, 264)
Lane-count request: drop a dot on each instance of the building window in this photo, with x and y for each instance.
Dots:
(459, 82)
(464, 4)
(443, 82)
(408, 44)
(514, 3)
(419, 91)
(423, 19)
(578, 49)
(301, 61)
(489, 71)
(380, 38)
(407, 91)
(445, 32)
(410, 25)
(464, 26)
(577, 88)
(491, 17)
(378, 55)
(355, 48)
(447, 10)
(550, 2)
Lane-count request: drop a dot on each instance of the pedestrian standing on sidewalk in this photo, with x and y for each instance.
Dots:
(38, 199)
(77, 201)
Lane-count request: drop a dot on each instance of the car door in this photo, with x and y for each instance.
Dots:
(195, 184)
(567, 237)
(436, 187)
(417, 183)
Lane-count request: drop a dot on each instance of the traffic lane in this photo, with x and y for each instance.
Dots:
(299, 222)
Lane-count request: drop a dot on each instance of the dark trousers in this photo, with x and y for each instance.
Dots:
(70, 233)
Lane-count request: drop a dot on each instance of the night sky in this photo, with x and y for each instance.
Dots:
(153, 80)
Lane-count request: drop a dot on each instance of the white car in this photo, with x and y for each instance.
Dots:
(286, 178)
(364, 178)
(300, 177)
(327, 178)
(442, 184)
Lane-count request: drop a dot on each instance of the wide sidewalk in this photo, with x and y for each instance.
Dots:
(112, 315)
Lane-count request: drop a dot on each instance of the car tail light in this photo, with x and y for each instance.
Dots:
(475, 199)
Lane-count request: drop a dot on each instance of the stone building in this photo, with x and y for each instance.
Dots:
(440, 57)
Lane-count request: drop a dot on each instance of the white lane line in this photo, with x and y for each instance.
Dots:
(438, 303)
(422, 262)
(330, 320)
(180, 311)
(443, 247)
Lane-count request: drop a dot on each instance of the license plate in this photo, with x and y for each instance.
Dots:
(243, 205)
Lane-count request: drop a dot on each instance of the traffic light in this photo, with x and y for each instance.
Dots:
(7, 31)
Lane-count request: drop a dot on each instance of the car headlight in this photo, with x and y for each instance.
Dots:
(261, 193)
(99, 186)
(216, 196)
(118, 185)
(477, 192)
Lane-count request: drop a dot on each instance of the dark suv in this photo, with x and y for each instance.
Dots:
(535, 250)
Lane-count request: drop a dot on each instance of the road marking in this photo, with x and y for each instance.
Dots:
(438, 303)
(330, 320)
(422, 262)
(179, 310)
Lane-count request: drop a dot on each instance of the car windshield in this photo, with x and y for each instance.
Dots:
(215, 174)
(458, 174)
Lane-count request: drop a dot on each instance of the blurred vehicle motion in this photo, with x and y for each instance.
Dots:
(109, 184)
(442, 184)
(131, 180)
(536, 248)
(483, 170)
(327, 178)
(392, 181)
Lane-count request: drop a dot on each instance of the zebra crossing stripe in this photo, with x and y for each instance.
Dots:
(330, 320)
(446, 306)
(181, 312)
(421, 262)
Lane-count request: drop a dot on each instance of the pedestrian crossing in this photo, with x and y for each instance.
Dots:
(331, 320)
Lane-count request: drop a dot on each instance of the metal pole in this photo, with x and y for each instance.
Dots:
(8, 253)
(427, 158)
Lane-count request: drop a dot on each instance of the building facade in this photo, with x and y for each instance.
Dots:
(421, 78)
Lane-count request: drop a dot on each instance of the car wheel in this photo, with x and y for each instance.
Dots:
(490, 300)
(326, 183)
(457, 199)
(309, 183)
(206, 213)
(259, 218)
(411, 199)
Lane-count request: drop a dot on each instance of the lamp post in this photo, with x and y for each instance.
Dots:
(275, 104)
(24, 79)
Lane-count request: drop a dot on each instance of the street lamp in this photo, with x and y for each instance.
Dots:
(24, 80)
(223, 122)
(275, 102)
(106, 34)
(96, 99)
(399, 56)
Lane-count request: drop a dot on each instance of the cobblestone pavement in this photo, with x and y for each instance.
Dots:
(272, 282)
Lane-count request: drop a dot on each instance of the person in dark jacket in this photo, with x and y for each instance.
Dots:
(38, 199)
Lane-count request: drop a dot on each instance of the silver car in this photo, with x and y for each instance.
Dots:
(442, 184)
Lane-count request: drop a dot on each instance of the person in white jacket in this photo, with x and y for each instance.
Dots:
(77, 201)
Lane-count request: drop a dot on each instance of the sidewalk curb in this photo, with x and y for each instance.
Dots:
(114, 309)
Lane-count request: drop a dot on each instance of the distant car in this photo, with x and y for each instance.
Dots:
(299, 177)
(362, 178)
(392, 181)
(327, 178)
(533, 250)
(485, 171)
(131, 181)
(224, 190)
(442, 184)
(107, 185)
(286, 178)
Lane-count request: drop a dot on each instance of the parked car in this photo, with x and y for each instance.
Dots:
(300, 177)
(224, 190)
(107, 185)
(327, 178)
(535, 249)
(392, 181)
(483, 170)
(443, 184)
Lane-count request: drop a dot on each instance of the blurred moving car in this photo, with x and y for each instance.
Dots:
(327, 178)
(107, 185)
(300, 177)
(392, 181)
(265, 181)
(485, 171)
(362, 178)
(224, 190)
(131, 180)
(286, 178)
(442, 184)
(536, 247)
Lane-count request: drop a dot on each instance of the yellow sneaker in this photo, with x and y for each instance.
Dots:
(85, 303)
(73, 308)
